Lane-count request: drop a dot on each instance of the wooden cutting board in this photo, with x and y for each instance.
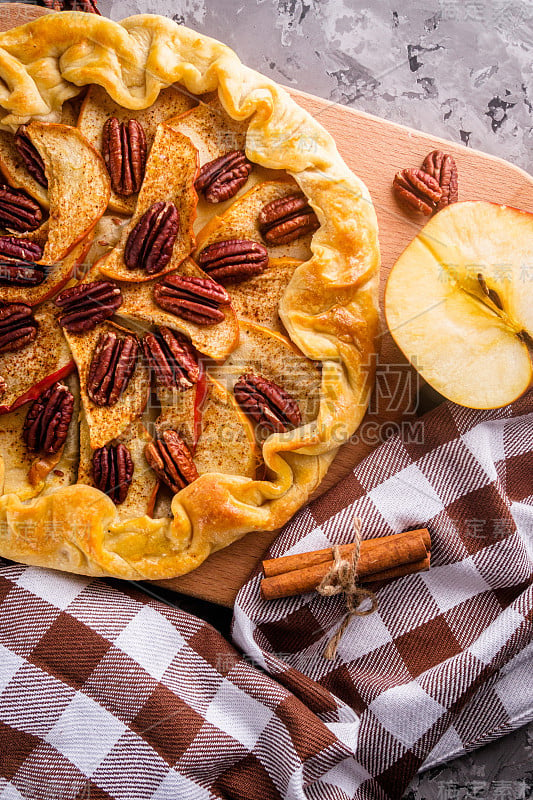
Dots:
(374, 149)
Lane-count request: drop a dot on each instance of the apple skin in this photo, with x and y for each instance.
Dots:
(38, 388)
(459, 307)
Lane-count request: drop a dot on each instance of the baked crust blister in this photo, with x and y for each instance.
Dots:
(328, 308)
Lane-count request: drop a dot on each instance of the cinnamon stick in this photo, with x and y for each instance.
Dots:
(384, 555)
(277, 566)
(376, 580)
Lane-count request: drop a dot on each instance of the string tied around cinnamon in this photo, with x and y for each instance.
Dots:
(342, 579)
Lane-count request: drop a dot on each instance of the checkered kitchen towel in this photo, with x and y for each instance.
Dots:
(107, 694)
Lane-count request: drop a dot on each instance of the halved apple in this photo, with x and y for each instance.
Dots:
(459, 303)
(141, 496)
(29, 371)
(98, 107)
(12, 166)
(239, 221)
(271, 355)
(108, 422)
(58, 275)
(27, 473)
(226, 442)
(138, 306)
(257, 299)
(78, 185)
(170, 174)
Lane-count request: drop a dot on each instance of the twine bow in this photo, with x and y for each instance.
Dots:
(342, 578)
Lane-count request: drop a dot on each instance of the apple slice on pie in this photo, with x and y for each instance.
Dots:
(264, 353)
(223, 441)
(29, 465)
(257, 299)
(45, 359)
(159, 236)
(98, 108)
(13, 166)
(37, 282)
(114, 381)
(78, 185)
(209, 320)
(133, 488)
(280, 202)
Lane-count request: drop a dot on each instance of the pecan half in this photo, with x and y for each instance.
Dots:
(113, 471)
(222, 178)
(112, 366)
(418, 190)
(46, 425)
(267, 403)
(18, 326)
(21, 249)
(18, 211)
(195, 299)
(171, 460)
(286, 219)
(151, 241)
(21, 270)
(233, 259)
(443, 168)
(172, 358)
(22, 273)
(31, 156)
(86, 305)
(124, 151)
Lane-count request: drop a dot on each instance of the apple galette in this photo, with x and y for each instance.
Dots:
(188, 297)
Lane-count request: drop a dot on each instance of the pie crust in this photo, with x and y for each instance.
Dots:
(329, 307)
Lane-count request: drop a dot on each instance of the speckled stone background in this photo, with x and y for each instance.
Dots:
(460, 69)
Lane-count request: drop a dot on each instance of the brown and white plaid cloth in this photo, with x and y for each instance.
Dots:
(105, 693)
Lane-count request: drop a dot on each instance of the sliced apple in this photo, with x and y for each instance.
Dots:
(257, 299)
(98, 107)
(107, 233)
(271, 355)
(28, 474)
(13, 167)
(214, 133)
(170, 174)
(15, 172)
(226, 442)
(108, 422)
(70, 110)
(29, 371)
(58, 275)
(141, 496)
(211, 130)
(138, 306)
(239, 221)
(78, 185)
(459, 303)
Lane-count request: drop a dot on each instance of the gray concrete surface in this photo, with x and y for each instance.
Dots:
(461, 69)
